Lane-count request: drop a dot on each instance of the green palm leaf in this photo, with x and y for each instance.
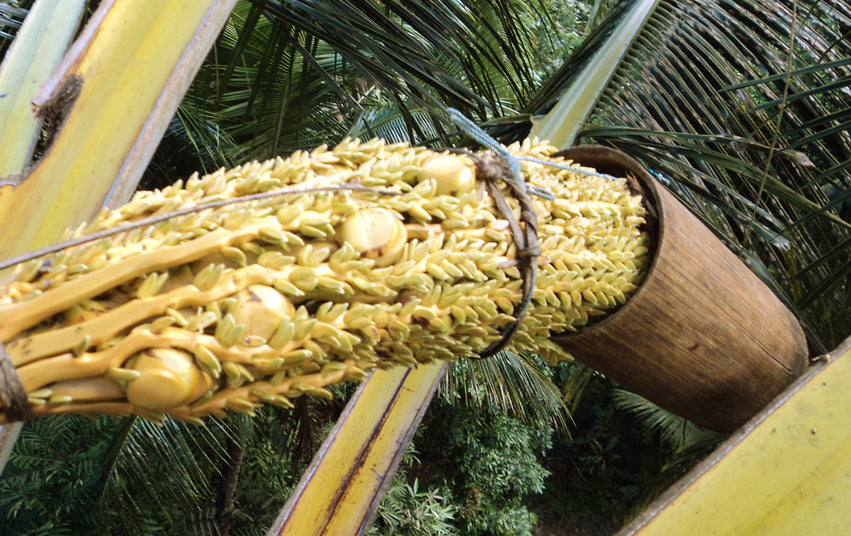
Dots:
(294, 75)
(11, 17)
(519, 385)
(141, 454)
(676, 432)
(746, 123)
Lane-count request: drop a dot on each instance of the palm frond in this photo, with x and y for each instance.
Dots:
(677, 432)
(12, 15)
(574, 378)
(142, 453)
(518, 385)
(742, 109)
(294, 75)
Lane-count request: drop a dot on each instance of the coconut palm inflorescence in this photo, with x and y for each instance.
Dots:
(373, 255)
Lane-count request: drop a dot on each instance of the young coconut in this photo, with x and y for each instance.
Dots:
(168, 377)
(375, 233)
(453, 174)
(261, 309)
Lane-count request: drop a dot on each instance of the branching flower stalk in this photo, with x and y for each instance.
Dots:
(266, 300)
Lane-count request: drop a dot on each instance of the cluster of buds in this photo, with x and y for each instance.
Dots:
(373, 255)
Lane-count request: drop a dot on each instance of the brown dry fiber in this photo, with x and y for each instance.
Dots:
(703, 337)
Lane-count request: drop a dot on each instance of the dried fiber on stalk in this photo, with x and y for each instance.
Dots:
(393, 255)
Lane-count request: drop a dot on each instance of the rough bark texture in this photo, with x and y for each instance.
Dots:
(703, 337)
